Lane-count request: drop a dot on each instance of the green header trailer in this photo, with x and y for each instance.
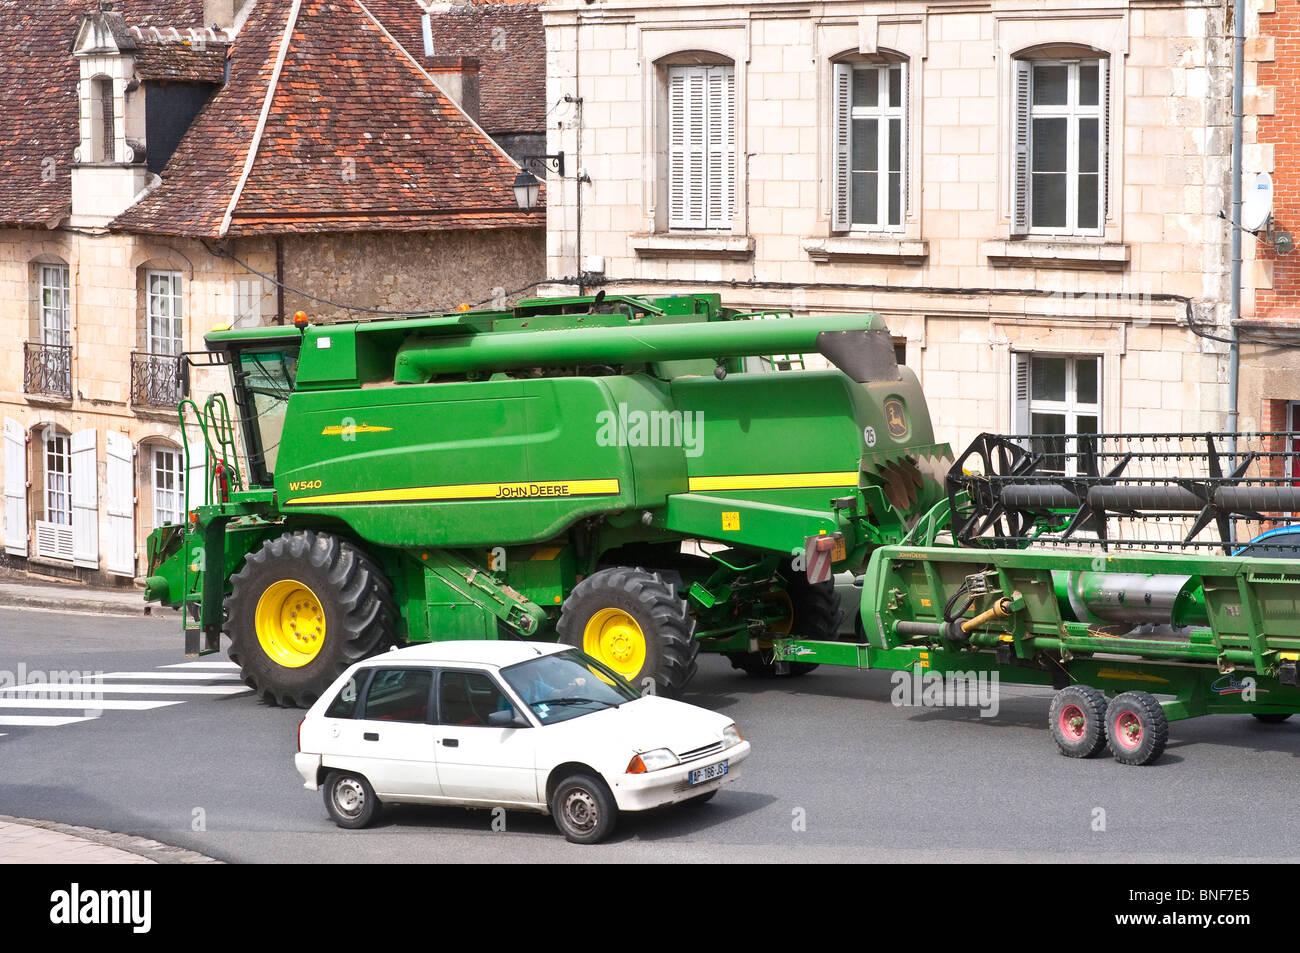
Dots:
(1117, 569)
(628, 474)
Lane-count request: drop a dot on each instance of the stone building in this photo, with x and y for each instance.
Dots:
(1029, 193)
(171, 167)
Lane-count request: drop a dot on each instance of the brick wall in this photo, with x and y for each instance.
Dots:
(1276, 105)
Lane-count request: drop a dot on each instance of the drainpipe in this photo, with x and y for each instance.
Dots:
(1234, 349)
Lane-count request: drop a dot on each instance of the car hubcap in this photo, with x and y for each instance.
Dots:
(615, 638)
(290, 623)
(349, 797)
(580, 811)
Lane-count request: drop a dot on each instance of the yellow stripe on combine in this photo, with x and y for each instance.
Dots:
(774, 481)
(532, 490)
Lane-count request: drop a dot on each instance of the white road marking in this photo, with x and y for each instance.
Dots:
(230, 665)
(42, 721)
(116, 704)
(91, 689)
(165, 676)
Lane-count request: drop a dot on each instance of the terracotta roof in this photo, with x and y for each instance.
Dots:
(181, 62)
(509, 42)
(356, 138)
(38, 112)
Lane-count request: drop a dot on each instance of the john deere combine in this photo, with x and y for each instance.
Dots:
(618, 472)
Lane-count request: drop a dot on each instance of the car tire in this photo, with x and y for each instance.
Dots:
(815, 615)
(633, 621)
(349, 615)
(583, 809)
(1136, 728)
(1077, 720)
(350, 800)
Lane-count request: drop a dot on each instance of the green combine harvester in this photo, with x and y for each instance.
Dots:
(625, 474)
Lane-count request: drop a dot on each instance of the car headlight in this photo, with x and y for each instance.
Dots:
(731, 735)
(651, 761)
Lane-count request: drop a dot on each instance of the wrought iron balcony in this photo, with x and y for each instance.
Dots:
(155, 380)
(47, 369)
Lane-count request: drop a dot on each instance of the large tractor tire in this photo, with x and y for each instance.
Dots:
(811, 611)
(302, 609)
(635, 622)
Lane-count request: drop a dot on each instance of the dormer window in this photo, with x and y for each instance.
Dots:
(103, 120)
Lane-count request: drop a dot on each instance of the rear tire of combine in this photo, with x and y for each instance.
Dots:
(815, 614)
(1077, 720)
(1136, 728)
(301, 610)
(635, 622)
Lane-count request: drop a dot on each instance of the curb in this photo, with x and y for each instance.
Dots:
(152, 850)
(72, 604)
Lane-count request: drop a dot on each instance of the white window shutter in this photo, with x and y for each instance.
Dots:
(686, 147)
(196, 475)
(1020, 148)
(843, 80)
(1103, 67)
(85, 500)
(721, 146)
(15, 460)
(119, 552)
(1020, 381)
(905, 153)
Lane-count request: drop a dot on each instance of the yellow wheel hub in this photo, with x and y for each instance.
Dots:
(290, 623)
(614, 637)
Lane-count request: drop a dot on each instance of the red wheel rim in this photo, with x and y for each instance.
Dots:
(1128, 729)
(1073, 723)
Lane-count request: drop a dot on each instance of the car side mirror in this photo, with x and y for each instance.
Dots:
(509, 718)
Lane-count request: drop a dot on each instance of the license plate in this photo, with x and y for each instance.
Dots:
(707, 774)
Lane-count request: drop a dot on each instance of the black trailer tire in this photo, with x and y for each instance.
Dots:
(1136, 728)
(350, 800)
(1272, 717)
(815, 615)
(583, 809)
(347, 614)
(1077, 720)
(633, 621)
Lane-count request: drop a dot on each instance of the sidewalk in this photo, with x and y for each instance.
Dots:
(19, 593)
(45, 842)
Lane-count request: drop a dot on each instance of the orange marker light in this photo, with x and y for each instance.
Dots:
(462, 306)
(300, 319)
(636, 765)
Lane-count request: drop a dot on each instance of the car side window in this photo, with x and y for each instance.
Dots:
(469, 698)
(344, 704)
(399, 695)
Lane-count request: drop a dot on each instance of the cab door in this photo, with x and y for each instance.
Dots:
(476, 760)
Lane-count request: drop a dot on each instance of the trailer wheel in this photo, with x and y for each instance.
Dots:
(814, 613)
(1272, 717)
(635, 622)
(1077, 720)
(1136, 728)
(301, 610)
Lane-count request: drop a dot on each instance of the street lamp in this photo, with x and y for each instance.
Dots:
(527, 190)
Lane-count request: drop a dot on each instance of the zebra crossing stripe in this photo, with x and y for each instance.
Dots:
(168, 676)
(103, 704)
(230, 665)
(120, 689)
(43, 721)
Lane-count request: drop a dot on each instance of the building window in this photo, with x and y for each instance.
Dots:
(168, 478)
(1061, 145)
(58, 479)
(165, 313)
(701, 146)
(103, 119)
(56, 325)
(870, 145)
(52, 493)
(1055, 396)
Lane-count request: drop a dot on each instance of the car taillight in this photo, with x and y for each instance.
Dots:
(636, 765)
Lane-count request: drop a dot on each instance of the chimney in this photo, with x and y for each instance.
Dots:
(457, 76)
(222, 13)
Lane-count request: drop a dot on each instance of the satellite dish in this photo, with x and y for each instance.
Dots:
(1257, 203)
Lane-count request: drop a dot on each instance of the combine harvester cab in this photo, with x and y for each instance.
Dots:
(622, 473)
(1110, 567)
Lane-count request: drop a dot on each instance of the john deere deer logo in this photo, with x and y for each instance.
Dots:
(895, 418)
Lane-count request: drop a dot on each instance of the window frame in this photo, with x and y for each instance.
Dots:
(177, 491)
(1024, 405)
(716, 204)
(1025, 112)
(842, 159)
(175, 294)
(49, 491)
(61, 310)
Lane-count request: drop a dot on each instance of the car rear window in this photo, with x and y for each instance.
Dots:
(344, 704)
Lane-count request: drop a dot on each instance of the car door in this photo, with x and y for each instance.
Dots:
(477, 761)
(393, 734)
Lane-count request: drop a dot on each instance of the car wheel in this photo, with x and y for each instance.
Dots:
(633, 621)
(350, 800)
(303, 608)
(583, 809)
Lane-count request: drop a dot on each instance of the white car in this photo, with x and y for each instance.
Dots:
(521, 725)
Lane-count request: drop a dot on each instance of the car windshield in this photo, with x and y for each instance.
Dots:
(567, 685)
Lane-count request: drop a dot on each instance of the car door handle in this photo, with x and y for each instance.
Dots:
(371, 736)
(451, 742)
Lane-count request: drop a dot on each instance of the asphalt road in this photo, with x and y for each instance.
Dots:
(838, 773)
